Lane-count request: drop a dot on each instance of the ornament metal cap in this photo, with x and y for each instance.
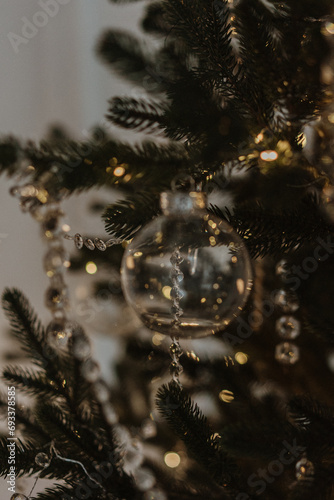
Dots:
(172, 203)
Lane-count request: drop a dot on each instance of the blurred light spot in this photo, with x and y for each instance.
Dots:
(113, 162)
(203, 299)
(234, 259)
(66, 228)
(241, 358)
(269, 155)
(157, 339)
(91, 267)
(226, 396)
(215, 286)
(331, 118)
(259, 138)
(138, 254)
(212, 241)
(172, 459)
(240, 286)
(130, 263)
(219, 300)
(192, 355)
(303, 140)
(166, 291)
(212, 224)
(119, 171)
(328, 28)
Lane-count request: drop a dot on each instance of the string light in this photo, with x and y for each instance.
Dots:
(91, 268)
(172, 459)
(269, 155)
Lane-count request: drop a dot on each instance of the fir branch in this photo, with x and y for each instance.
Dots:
(139, 114)
(9, 155)
(130, 58)
(276, 231)
(25, 324)
(126, 217)
(155, 21)
(37, 384)
(188, 422)
(24, 416)
(25, 454)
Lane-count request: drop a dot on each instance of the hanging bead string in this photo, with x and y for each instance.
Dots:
(287, 326)
(80, 241)
(176, 295)
(63, 333)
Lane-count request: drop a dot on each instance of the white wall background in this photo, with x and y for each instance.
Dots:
(53, 78)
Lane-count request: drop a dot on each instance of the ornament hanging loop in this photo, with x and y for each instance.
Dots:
(179, 182)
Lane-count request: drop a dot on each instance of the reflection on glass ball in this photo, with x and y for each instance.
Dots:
(186, 274)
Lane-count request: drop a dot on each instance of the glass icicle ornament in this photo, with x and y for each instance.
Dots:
(187, 273)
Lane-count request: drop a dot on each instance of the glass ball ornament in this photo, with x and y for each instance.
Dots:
(187, 273)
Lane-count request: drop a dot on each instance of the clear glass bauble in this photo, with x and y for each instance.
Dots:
(187, 273)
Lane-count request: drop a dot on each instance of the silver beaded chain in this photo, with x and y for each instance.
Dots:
(287, 326)
(175, 350)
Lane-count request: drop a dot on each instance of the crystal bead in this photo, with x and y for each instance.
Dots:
(109, 414)
(288, 327)
(43, 460)
(176, 293)
(89, 243)
(122, 435)
(78, 241)
(175, 349)
(282, 268)
(19, 496)
(55, 260)
(102, 392)
(176, 311)
(50, 223)
(155, 494)
(304, 469)
(176, 258)
(80, 348)
(144, 478)
(133, 455)
(90, 370)
(100, 245)
(176, 275)
(110, 242)
(148, 429)
(58, 332)
(56, 297)
(175, 369)
(287, 300)
(287, 353)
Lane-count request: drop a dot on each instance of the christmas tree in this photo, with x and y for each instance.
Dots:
(237, 96)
